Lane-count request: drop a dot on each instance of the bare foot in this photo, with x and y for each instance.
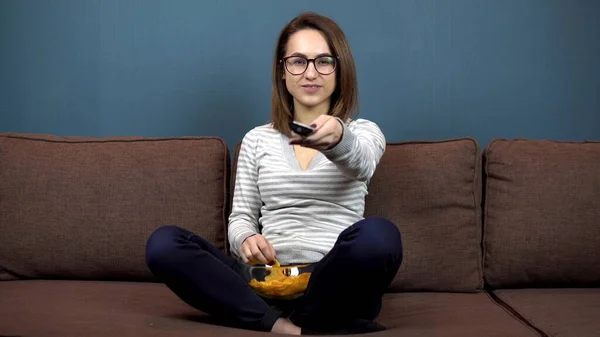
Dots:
(284, 326)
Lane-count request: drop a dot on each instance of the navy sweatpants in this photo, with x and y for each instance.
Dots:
(346, 284)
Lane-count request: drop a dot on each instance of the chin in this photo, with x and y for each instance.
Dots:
(311, 102)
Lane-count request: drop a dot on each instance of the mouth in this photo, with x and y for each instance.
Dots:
(311, 88)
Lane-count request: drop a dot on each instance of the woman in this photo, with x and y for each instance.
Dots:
(299, 200)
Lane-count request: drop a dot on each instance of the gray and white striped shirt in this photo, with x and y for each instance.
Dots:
(302, 212)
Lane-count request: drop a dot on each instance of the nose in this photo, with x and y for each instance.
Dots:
(311, 70)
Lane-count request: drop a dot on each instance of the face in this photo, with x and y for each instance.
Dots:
(311, 89)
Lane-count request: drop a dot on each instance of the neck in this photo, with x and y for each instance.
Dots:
(306, 115)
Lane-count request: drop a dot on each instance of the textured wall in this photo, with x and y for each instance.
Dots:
(427, 69)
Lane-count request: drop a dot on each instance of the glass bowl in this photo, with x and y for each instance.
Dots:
(279, 282)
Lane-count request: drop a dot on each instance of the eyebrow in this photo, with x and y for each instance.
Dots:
(319, 55)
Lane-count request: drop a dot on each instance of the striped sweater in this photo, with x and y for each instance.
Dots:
(302, 212)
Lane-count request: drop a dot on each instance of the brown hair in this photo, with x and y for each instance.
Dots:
(344, 99)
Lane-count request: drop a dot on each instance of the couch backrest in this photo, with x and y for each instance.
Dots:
(542, 213)
(82, 208)
(432, 192)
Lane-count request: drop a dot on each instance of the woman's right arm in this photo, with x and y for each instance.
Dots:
(243, 220)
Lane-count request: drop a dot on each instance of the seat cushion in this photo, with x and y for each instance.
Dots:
(83, 208)
(557, 312)
(449, 315)
(100, 308)
(542, 214)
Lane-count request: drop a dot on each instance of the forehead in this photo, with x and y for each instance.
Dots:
(308, 42)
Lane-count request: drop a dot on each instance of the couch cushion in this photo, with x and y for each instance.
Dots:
(432, 192)
(83, 208)
(557, 312)
(96, 308)
(449, 315)
(542, 213)
(91, 308)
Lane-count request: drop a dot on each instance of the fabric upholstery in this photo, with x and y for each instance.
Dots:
(542, 214)
(431, 191)
(557, 312)
(90, 308)
(83, 208)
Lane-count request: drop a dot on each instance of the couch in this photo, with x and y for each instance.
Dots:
(498, 241)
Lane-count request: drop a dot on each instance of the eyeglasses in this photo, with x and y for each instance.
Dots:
(297, 65)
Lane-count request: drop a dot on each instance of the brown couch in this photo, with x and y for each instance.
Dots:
(499, 242)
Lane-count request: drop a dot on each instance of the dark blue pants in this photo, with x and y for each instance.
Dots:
(346, 284)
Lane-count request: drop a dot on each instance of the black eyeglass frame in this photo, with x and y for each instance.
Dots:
(308, 61)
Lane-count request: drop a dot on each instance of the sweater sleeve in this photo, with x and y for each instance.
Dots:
(243, 219)
(359, 151)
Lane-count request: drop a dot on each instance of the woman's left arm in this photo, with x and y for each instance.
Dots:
(356, 152)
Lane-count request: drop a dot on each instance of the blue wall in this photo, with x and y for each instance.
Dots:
(427, 69)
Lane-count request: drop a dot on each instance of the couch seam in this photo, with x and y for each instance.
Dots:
(514, 313)
(477, 203)
(225, 208)
(484, 200)
(232, 177)
(484, 213)
(3, 270)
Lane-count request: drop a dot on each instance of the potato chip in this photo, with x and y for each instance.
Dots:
(281, 285)
(278, 283)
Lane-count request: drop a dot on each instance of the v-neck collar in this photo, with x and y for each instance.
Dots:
(290, 154)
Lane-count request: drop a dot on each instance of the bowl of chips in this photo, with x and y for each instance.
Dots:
(279, 282)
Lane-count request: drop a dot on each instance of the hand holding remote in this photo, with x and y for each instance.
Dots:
(327, 133)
